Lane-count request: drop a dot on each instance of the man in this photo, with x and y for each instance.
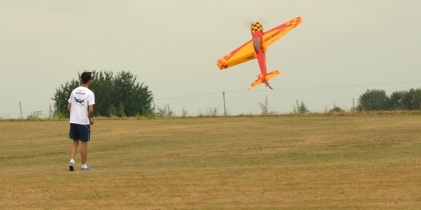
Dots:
(81, 108)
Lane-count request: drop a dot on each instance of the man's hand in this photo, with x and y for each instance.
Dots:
(91, 121)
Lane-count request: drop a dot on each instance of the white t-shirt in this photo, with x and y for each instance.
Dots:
(80, 99)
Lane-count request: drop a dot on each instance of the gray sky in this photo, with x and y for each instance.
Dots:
(341, 49)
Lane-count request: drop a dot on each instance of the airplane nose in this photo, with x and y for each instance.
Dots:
(256, 26)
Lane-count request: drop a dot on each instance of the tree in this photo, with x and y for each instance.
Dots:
(413, 99)
(373, 100)
(61, 98)
(119, 96)
(397, 100)
(103, 87)
(300, 108)
(336, 109)
(132, 97)
(265, 107)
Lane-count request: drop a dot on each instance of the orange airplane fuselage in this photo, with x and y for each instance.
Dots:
(257, 37)
(258, 48)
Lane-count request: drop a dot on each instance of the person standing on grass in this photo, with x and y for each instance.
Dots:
(81, 108)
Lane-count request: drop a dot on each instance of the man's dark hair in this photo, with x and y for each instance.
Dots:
(86, 76)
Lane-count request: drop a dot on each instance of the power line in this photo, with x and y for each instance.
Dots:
(346, 86)
(188, 96)
(290, 89)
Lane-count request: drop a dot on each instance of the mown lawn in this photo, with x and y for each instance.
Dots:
(278, 162)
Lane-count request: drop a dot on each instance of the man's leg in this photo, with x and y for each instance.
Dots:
(73, 154)
(74, 149)
(84, 151)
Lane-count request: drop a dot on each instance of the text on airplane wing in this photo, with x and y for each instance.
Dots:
(274, 34)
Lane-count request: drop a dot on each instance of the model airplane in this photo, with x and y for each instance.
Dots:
(256, 48)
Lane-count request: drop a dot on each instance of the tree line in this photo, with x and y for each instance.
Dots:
(115, 95)
(374, 100)
(122, 96)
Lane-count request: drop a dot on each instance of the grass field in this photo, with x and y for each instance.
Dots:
(282, 162)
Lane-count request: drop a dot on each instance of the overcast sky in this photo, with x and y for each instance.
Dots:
(341, 49)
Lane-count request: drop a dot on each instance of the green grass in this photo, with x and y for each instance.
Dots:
(282, 162)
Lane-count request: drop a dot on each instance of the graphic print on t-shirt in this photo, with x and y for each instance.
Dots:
(80, 101)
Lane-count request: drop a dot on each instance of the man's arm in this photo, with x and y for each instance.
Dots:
(69, 106)
(91, 114)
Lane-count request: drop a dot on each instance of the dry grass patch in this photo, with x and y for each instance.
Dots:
(285, 162)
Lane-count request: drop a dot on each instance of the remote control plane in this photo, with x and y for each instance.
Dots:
(256, 48)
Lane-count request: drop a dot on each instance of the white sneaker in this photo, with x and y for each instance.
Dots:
(86, 169)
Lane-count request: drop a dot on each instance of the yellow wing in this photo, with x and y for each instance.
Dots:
(240, 55)
(275, 33)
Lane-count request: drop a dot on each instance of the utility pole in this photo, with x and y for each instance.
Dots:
(223, 96)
